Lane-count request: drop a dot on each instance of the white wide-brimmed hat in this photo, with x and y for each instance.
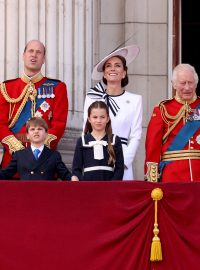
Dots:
(128, 52)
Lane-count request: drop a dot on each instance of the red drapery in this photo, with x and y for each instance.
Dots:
(97, 225)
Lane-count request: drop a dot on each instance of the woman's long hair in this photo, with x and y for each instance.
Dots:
(108, 129)
(125, 80)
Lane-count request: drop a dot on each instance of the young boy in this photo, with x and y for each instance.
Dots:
(37, 161)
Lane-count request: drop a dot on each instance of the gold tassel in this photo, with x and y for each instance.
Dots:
(156, 249)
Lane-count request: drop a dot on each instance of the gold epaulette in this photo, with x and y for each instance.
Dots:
(13, 143)
(152, 174)
(49, 139)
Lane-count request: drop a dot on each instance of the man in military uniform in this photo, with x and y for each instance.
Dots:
(29, 96)
(173, 133)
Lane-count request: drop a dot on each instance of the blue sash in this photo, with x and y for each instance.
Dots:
(182, 138)
(26, 112)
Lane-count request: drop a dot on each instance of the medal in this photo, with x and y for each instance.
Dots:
(38, 114)
(198, 139)
(44, 106)
(43, 93)
(39, 93)
(48, 92)
(195, 116)
(52, 92)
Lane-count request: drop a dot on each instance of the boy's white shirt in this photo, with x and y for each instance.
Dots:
(40, 148)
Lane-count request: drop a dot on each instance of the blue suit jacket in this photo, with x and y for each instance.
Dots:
(49, 166)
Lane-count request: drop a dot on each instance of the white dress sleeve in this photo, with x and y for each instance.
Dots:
(135, 133)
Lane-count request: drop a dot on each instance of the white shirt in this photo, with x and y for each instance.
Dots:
(40, 148)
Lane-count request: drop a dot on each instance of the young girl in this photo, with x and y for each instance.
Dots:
(98, 153)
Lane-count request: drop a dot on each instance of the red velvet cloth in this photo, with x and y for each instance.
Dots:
(97, 225)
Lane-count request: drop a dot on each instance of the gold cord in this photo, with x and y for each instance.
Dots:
(166, 115)
(19, 110)
(182, 114)
(9, 99)
(29, 92)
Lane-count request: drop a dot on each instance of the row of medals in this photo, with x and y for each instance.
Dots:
(46, 92)
(195, 115)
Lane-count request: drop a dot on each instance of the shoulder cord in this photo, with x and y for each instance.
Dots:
(166, 115)
(181, 114)
(9, 99)
(24, 95)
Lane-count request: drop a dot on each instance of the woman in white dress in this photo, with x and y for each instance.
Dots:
(125, 108)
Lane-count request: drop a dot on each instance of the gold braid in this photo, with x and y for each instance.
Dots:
(9, 99)
(29, 91)
(19, 110)
(166, 115)
(182, 114)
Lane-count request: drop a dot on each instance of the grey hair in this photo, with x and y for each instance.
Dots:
(186, 67)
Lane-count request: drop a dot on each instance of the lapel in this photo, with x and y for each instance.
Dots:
(45, 154)
(29, 157)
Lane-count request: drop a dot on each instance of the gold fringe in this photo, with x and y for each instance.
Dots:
(49, 138)
(13, 143)
(156, 249)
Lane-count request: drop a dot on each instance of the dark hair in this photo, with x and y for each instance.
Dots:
(88, 128)
(125, 80)
(36, 121)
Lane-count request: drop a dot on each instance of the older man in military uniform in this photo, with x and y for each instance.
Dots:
(173, 133)
(28, 96)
